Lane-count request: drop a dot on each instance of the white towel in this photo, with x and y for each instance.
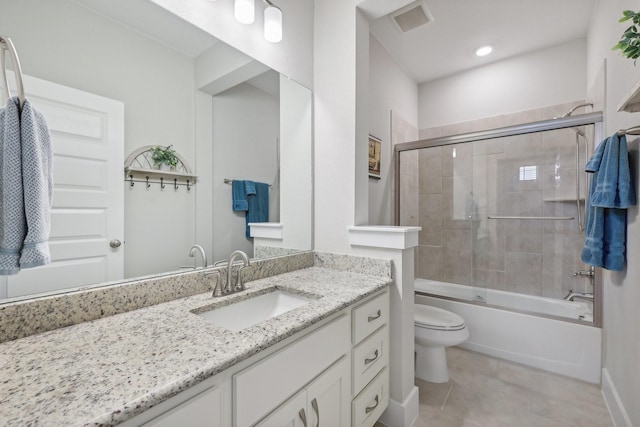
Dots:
(26, 188)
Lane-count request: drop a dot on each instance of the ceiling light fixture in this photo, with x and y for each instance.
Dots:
(244, 11)
(272, 23)
(484, 50)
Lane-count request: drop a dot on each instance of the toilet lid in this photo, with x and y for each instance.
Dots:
(430, 317)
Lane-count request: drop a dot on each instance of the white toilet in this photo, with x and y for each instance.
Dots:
(436, 329)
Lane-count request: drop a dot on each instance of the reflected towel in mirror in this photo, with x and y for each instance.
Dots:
(26, 188)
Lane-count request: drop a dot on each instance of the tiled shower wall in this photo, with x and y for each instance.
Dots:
(457, 187)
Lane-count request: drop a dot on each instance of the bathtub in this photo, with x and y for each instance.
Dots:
(543, 340)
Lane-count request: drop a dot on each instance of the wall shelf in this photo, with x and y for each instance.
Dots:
(631, 102)
(139, 168)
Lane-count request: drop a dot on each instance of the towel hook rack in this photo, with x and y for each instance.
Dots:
(631, 131)
(7, 45)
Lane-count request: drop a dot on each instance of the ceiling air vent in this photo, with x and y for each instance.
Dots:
(411, 16)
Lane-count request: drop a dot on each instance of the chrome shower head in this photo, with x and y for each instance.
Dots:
(570, 112)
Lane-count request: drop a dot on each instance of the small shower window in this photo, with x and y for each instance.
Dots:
(528, 173)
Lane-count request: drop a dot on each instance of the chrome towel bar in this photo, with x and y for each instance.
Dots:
(535, 218)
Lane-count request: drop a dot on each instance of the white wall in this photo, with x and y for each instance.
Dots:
(390, 89)
(334, 123)
(621, 289)
(546, 77)
(245, 132)
(293, 56)
(67, 44)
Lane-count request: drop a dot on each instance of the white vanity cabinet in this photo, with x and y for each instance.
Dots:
(324, 402)
(334, 375)
(370, 357)
(203, 410)
(202, 405)
(262, 387)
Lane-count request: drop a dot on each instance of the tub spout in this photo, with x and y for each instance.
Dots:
(571, 296)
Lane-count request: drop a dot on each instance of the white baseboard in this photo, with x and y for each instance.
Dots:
(618, 414)
(402, 414)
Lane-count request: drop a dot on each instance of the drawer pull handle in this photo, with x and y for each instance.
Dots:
(314, 405)
(377, 316)
(303, 417)
(374, 358)
(371, 408)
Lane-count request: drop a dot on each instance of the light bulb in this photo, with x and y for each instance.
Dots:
(273, 24)
(244, 11)
(484, 50)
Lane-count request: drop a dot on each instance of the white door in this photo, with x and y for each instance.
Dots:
(87, 132)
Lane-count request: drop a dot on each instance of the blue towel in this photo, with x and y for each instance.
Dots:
(26, 188)
(258, 206)
(613, 184)
(250, 187)
(238, 196)
(610, 193)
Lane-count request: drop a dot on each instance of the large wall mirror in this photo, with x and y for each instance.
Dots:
(112, 77)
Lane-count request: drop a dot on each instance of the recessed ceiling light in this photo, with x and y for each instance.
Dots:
(484, 50)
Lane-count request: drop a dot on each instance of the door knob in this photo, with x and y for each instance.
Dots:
(115, 243)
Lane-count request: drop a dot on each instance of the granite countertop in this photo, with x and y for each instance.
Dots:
(106, 371)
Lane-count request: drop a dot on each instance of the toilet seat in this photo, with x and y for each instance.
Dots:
(438, 319)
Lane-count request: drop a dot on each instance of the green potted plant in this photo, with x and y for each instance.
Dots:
(629, 44)
(164, 158)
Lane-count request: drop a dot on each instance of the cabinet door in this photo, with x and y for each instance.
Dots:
(290, 414)
(329, 398)
(203, 410)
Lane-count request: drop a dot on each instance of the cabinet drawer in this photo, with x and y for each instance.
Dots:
(370, 316)
(371, 402)
(263, 386)
(369, 357)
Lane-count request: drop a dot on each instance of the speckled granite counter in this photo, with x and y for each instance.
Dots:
(108, 370)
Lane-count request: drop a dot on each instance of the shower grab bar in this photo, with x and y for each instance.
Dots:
(535, 218)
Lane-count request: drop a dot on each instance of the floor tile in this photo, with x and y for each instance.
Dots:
(488, 392)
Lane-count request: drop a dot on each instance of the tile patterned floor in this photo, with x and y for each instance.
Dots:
(487, 392)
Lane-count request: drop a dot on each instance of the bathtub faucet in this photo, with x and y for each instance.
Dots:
(580, 295)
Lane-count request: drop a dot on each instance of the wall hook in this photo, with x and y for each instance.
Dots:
(162, 183)
(131, 181)
(148, 185)
(188, 187)
(175, 184)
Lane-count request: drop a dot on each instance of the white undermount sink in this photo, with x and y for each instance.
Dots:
(245, 313)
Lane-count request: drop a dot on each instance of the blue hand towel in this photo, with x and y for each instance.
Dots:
(250, 187)
(613, 184)
(258, 206)
(238, 196)
(26, 188)
(610, 193)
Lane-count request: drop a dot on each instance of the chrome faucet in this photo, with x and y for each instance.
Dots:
(580, 295)
(239, 286)
(202, 254)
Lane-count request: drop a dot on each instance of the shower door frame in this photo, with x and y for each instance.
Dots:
(595, 119)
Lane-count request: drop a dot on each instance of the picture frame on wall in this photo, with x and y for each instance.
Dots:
(375, 151)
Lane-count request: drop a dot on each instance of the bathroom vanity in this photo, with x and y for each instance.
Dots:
(166, 365)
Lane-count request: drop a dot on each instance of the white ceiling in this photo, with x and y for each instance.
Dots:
(446, 45)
